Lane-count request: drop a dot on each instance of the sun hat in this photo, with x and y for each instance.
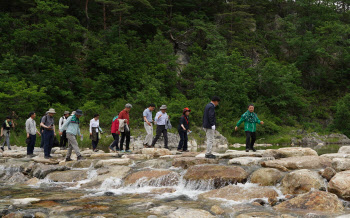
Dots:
(51, 111)
(66, 112)
(79, 112)
(186, 109)
(163, 107)
(128, 105)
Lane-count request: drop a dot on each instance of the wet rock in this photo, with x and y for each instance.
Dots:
(14, 215)
(156, 163)
(189, 154)
(17, 178)
(103, 155)
(39, 159)
(248, 161)
(190, 213)
(217, 210)
(68, 176)
(186, 162)
(40, 215)
(344, 150)
(241, 194)
(335, 155)
(229, 154)
(62, 209)
(24, 201)
(112, 162)
(163, 190)
(289, 152)
(42, 170)
(95, 207)
(153, 178)
(112, 172)
(328, 173)
(162, 210)
(340, 185)
(33, 181)
(46, 204)
(142, 206)
(256, 214)
(156, 152)
(341, 164)
(313, 201)
(14, 153)
(302, 181)
(219, 174)
(266, 176)
(170, 157)
(80, 164)
(138, 156)
(293, 163)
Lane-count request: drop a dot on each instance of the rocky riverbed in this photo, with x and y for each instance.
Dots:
(285, 182)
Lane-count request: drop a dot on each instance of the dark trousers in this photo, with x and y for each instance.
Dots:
(183, 140)
(49, 136)
(116, 141)
(63, 139)
(42, 143)
(95, 143)
(161, 129)
(31, 145)
(127, 136)
(249, 144)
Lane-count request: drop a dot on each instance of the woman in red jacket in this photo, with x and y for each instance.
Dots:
(115, 134)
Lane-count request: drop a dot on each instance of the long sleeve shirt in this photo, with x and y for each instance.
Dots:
(71, 127)
(124, 115)
(249, 124)
(31, 126)
(61, 122)
(94, 123)
(161, 120)
(209, 118)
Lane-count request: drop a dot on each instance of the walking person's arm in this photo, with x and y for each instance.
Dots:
(239, 122)
(27, 128)
(60, 125)
(90, 127)
(211, 115)
(54, 130)
(65, 125)
(258, 120)
(2, 129)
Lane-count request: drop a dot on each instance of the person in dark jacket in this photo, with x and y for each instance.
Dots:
(115, 133)
(184, 128)
(209, 124)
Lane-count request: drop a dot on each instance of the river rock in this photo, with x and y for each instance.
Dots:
(340, 185)
(68, 176)
(217, 210)
(153, 178)
(189, 154)
(162, 210)
(24, 201)
(63, 209)
(344, 150)
(220, 175)
(229, 154)
(335, 155)
(39, 159)
(341, 164)
(240, 194)
(112, 173)
(186, 162)
(257, 215)
(42, 170)
(17, 178)
(190, 213)
(14, 153)
(33, 181)
(328, 173)
(40, 215)
(111, 162)
(289, 152)
(80, 164)
(266, 176)
(302, 181)
(138, 156)
(248, 161)
(103, 155)
(156, 163)
(313, 201)
(293, 163)
(156, 152)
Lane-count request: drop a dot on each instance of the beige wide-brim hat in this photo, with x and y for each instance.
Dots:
(51, 111)
(163, 107)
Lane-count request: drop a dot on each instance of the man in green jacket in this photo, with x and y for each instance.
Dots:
(250, 120)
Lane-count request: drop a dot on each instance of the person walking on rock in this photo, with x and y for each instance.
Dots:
(5, 131)
(95, 131)
(148, 124)
(124, 127)
(31, 133)
(63, 139)
(161, 120)
(250, 120)
(48, 123)
(184, 129)
(71, 126)
(42, 143)
(115, 133)
(209, 124)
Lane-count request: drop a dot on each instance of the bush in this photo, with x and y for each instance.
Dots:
(342, 118)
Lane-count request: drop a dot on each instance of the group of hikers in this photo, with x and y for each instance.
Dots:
(69, 129)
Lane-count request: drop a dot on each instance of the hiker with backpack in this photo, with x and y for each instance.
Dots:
(63, 138)
(115, 133)
(184, 130)
(95, 131)
(5, 131)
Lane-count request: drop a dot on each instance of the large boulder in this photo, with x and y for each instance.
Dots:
(335, 155)
(40, 171)
(39, 159)
(249, 161)
(229, 154)
(155, 163)
(340, 185)
(344, 150)
(240, 194)
(313, 201)
(111, 162)
(218, 174)
(79, 164)
(341, 164)
(17, 178)
(153, 178)
(302, 181)
(294, 163)
(328, 173)
(186, 162)
(14, 153)
(68, 176)
(266, 176)
(156, 152)
(290, 152)
(190, 213)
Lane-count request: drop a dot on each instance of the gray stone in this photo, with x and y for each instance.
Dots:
(341, 164)
(248, 161)
(42, 170)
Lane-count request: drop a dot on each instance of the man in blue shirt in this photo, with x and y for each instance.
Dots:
(148, 120)
(161, 120)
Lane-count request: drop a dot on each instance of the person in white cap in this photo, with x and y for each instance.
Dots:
(48, 123)
(63, 139)
(161, 119)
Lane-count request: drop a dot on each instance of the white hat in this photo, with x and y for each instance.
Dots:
(163, 107)
(51, 111)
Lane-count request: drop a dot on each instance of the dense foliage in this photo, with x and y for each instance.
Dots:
(291, 58)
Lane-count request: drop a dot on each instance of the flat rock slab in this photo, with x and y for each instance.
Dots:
(111, 162)
(293, 163)
(80, 164)
(169, 157)
(138, 156)
(240, 194)
(68, 176)
(103, 155)
(24, 201)
(248, 161)
(289, 152)
(190, 213)
(42, 170)
(336, 155)
(111, 173)
(186, 162)
(42, 160)
(340, 185)
(156, 152)
(14, 153)
(235, 153)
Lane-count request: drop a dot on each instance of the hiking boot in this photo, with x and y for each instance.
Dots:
(96, 150)
(10, 149)
(122, 151)
(166, 147)
(2, 148)
(47, 157)
(185, 151)
(68, 159)
(210, 156)
(246, 150)
(111, 150)
(253, 149)
(128, 151)
(80, 157)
